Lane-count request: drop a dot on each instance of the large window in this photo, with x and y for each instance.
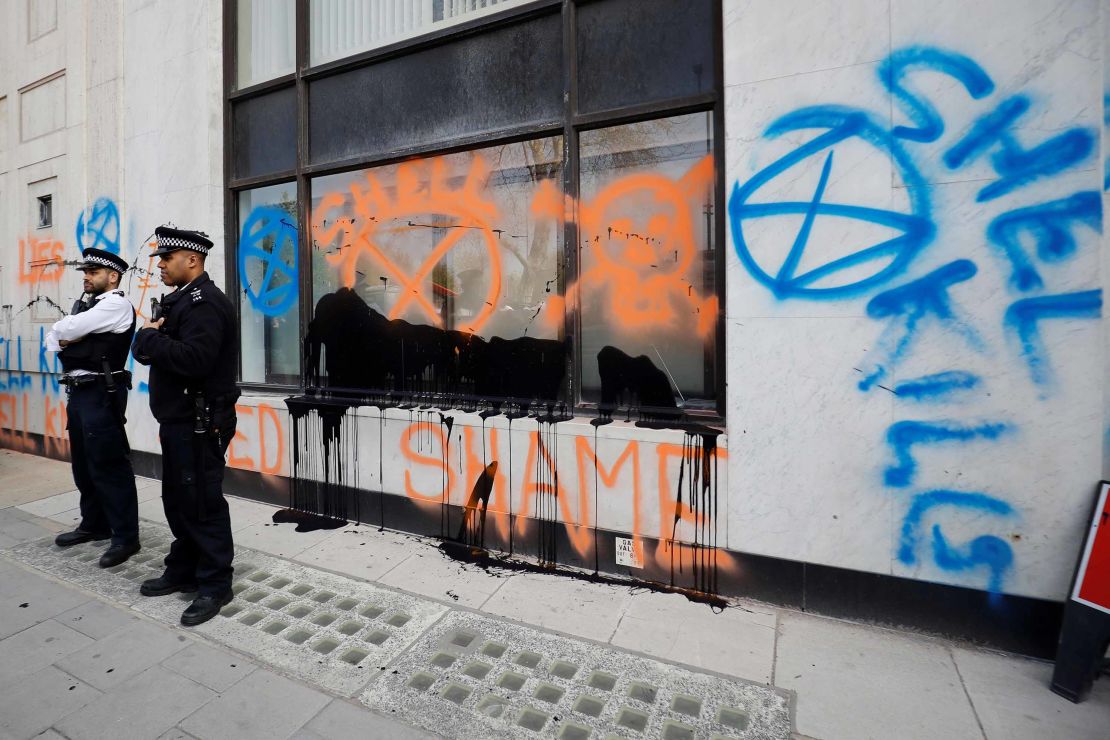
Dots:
(268, 285)
(473, 211)
(341, 28)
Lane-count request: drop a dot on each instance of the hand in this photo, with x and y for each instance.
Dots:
(148, 324)
(67, 342)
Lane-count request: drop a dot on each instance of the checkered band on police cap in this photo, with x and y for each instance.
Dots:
(94, 258)
(170, 240)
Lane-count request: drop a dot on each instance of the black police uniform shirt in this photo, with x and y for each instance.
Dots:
(197, 349)
(109, 315)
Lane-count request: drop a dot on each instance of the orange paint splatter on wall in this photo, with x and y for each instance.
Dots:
(40, 261)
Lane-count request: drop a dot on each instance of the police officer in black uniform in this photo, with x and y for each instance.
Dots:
(193, 353)
(92, 344)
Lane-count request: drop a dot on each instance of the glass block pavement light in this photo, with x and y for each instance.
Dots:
(332, 631)
(471, 676)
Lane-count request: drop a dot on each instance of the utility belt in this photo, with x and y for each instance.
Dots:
(211, 413)
(113, 379)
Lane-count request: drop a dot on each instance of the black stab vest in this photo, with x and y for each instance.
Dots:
(90, 353)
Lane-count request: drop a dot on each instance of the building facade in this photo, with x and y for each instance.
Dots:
(796, 300)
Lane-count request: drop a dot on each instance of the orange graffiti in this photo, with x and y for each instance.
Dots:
(246, 461)
(578, 532)
(40, 261)
(422, 191)
(147, 282)
(439, 463)
(583, 453)
(670, 510)
(642, 270)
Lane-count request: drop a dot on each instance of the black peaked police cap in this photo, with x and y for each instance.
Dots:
(98, 258)
(171, 240)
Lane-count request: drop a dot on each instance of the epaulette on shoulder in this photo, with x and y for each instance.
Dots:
(196, 295)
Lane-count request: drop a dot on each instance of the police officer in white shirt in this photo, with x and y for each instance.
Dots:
(93, 344)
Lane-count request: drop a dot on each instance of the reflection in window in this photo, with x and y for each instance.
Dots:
(455, 259)
(268, 283)
(266, 47)
(342, 28)
(645, 282)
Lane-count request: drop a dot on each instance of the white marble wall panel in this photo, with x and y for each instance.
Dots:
(815, 401)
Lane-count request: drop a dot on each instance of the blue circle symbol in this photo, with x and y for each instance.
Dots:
(915, 227)
(269, 239)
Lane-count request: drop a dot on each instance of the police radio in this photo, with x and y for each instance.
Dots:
(155, 310)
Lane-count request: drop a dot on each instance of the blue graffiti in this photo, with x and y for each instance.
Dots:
(930, 126)
(915, 228)
(907, 305)
(1017, 165)
(1049, 224)
(945, 556)
(1022, 318)
(18, 379)
(902, 436)
(1106, 122)
(938, 385)
(99, 229)
(48, 370)
(268, 233)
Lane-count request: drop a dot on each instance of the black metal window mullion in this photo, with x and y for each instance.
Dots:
(304, 195)
(570, 261)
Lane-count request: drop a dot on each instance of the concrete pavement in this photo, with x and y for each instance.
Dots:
(603, 651)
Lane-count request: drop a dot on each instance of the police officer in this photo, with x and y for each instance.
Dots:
(193, 353)
(93, 342)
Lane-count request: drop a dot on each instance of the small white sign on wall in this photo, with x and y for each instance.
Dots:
(629, 553)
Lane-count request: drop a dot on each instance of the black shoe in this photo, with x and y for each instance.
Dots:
(77, 536)
(162, 586)
(117, 554)
(204, 608)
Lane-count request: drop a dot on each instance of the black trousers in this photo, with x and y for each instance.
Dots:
(101, 462)
(192, 496)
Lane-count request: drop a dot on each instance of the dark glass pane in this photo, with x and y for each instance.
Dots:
(639, 51)
(264, 133)
(492, 81)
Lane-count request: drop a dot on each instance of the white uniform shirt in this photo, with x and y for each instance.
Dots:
(111, 313)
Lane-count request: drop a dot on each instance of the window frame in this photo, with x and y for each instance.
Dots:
(573, 123)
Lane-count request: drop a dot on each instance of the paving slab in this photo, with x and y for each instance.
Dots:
(112, 660)
(41, 699)
(1012, 699)
(738, 641)
(35, 648)
(27, 599)
(472, 676)
(96, 619)
(565, 605)
(263, 705)
(246, 513)
(340, 720)
(18, 526)
(145, 706)
(362, 552)
(855, 682)
(429, 572)
(281, 540)
(30, 477)
(51, 505)
(219, 670)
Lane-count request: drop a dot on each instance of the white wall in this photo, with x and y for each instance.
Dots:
(815, 429)
(133, 139)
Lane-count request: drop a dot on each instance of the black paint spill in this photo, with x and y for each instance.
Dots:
(493, 565)
(634, 382)
(352, 350)
(355, 356)
(697, 490)
(305, 521)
